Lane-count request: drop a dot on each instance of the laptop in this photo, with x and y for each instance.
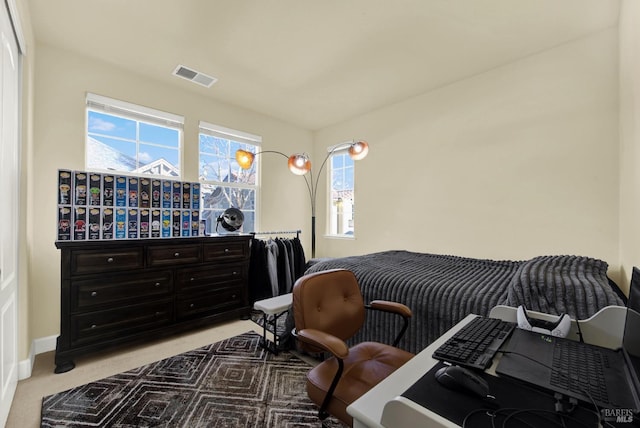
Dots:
(608, 378)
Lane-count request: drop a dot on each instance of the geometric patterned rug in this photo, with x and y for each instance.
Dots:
(232, 383)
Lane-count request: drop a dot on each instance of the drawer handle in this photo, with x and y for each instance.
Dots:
(192, 279)
(94, 325)
(235, 273)
(158, 314)
(176, 254)
(110, 260)
(233, 296)
(226, 250)
(94, 293)
(192, 305)
(157, 284)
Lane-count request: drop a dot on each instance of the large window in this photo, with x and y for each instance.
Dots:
(341, 194)
(127, 138)
(224, 183)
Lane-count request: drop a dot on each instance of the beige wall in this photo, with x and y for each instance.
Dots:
(516, 162)
(629, 137)
(62, 80)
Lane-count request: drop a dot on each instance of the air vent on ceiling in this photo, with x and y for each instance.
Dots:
(194, 76)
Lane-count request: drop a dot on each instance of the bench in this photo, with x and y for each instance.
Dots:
(274, 307)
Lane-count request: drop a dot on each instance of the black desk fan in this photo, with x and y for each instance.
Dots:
(231, 220)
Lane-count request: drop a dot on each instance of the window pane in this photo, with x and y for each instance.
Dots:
(218, 161)
(234, 146)
(348, 179)
(224, 183)
(341, 202)
(337, 161)
(206, 144)
(246, 176)
(118, 143)
(159, 135)
(221, 147)
(114, 126)
(110, 154)
(214, 168)
(216, 199)
(148, 154)
(243, 198)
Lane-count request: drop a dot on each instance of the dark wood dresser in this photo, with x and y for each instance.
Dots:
(113, 292)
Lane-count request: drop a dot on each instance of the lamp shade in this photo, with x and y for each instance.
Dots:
(244, 158)
(299, 164)
(358, 150)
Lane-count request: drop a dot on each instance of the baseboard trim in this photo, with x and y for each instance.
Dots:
(39, 346)
(25, 366)
(45, 344)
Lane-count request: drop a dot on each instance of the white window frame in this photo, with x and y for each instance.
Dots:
(136, 113)
(240, 137)
(340, 149)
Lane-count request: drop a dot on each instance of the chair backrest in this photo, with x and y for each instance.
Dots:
(329, 301)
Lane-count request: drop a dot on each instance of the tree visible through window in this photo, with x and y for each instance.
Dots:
(341, 200)
(224, 183)
(126, 138)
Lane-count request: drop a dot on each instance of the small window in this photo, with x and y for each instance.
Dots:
(224, 183)
(341, 195)
(127, 138)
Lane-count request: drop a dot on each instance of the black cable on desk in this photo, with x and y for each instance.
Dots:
(561, 413)
(586, 392)
(517, 414)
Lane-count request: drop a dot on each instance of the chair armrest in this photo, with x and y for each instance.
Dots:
(325, 341)
(395, 307)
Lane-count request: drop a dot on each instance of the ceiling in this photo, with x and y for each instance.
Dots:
(314, 63)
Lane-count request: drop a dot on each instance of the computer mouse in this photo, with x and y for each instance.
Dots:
(464, 380)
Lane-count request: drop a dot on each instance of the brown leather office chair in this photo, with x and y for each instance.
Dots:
(328, 309)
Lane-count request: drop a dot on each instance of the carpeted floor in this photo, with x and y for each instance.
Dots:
(232, 383)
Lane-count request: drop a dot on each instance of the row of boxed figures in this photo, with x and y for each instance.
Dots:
(89, 223)
(107, 206)
(80, 188)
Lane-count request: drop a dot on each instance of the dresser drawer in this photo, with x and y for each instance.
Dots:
(89, 293)
(118, 291)
(216, 302)
(206, 279)
(96, 261)
(215, 251)
(162, 255)
(117, 323)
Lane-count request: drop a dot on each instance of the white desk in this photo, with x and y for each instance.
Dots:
(368, 410)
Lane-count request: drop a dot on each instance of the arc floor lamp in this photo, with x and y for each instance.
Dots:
(300, 164)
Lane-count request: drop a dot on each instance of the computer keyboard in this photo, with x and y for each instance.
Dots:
(580, 369)
(476, 343)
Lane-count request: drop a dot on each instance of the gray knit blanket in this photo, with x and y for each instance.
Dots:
(441, 290)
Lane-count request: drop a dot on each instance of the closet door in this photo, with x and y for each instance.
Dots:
(9, 188)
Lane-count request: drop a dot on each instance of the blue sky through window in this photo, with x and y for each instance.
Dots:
(130, 137)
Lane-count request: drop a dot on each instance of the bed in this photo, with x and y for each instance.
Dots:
(441, 289)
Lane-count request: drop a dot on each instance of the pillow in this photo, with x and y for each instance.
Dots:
(575, 285)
